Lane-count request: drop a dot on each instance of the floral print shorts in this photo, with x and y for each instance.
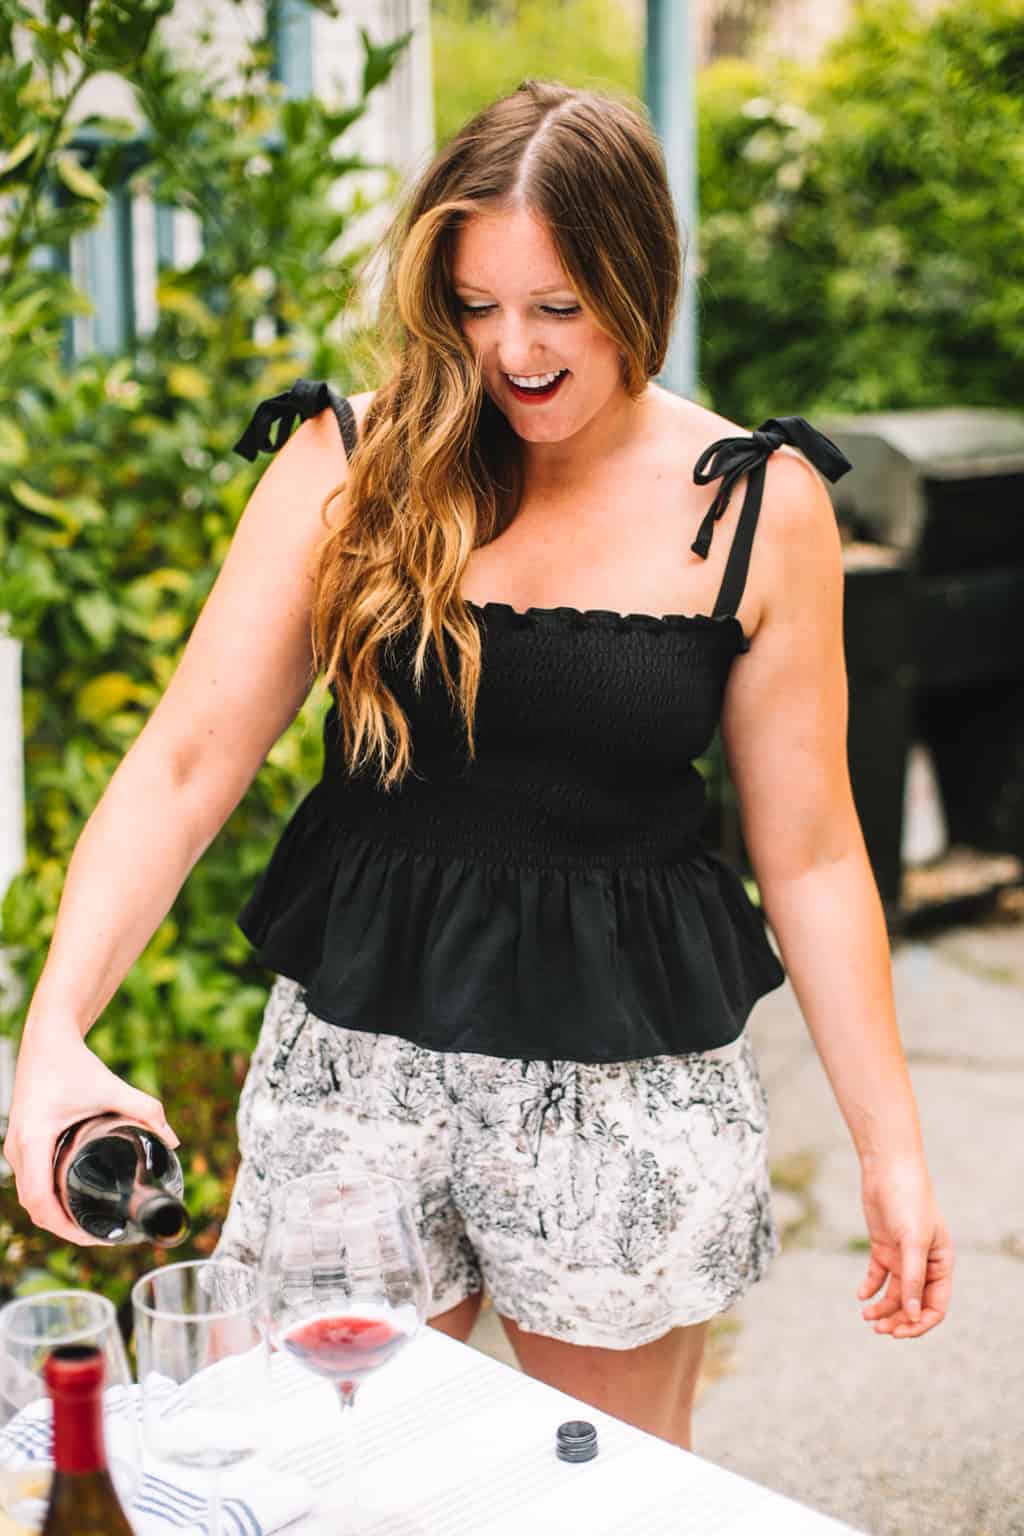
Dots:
(602, 1204)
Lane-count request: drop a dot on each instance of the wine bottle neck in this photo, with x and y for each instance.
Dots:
(78, 1444)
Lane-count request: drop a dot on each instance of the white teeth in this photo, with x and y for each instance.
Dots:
(534, 381)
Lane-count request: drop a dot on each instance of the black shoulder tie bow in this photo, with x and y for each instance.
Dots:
(305, 398)
(732, 457)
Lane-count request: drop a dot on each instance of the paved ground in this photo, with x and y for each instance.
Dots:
(896, 1437)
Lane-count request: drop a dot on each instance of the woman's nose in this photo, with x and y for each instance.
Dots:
(517, 349)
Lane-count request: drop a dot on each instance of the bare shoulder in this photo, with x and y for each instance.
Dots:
(318, 444)
(797, 556)
(796, 568)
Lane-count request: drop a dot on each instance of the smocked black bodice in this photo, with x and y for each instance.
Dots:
(552, 898)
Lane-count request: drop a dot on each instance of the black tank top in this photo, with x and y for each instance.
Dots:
(553, 898)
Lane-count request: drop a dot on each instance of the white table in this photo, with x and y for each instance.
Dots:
(453, 1443)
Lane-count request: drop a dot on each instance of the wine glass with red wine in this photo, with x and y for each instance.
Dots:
(345, 1286)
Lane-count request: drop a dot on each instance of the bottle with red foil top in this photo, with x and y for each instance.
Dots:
(83, 1501)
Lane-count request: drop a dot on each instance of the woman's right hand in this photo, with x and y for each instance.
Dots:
(58, 1082)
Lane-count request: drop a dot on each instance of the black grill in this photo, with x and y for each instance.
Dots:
(933, 517)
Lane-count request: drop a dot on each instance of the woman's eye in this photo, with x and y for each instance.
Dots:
(549, 309)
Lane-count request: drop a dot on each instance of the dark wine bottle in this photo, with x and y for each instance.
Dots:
(120, 1183)
(83, 1500)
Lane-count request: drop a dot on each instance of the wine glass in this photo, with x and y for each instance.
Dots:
(202, 1366)
(29, 1329)
(345, 1286)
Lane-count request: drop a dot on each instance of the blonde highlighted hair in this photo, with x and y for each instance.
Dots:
(438, 469)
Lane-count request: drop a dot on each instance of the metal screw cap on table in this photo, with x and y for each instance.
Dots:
(576, 1440)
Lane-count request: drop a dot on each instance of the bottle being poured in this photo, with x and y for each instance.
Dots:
(120, 1183)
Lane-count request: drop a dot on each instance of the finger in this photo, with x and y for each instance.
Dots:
(913, 1264)
(886, 1305)
(935, 1304)
(928, 1321)
(142, 1106)
(35, 1193)
(873, 1280)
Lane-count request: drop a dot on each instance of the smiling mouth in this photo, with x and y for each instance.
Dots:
(535, 392)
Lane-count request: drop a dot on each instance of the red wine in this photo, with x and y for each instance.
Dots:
(344, 1347)
(83, 1500)
(120, 1182)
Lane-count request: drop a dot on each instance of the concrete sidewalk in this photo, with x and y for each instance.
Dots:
(896, 1437)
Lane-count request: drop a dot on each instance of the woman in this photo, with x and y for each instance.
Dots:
(507, 969)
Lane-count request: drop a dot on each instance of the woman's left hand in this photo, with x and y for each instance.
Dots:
(910, 1247)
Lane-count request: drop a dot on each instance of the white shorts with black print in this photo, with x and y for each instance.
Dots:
(602, 1204)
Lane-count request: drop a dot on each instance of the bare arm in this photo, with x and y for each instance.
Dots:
(243, 676)
(784, 732)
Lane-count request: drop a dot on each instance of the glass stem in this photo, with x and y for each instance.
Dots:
(349, 1459)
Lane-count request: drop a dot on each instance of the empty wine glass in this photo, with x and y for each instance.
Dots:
(346, 1287)
(29, 1329)
(202, 1366)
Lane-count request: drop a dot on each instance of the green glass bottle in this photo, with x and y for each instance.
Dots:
(83, 1500)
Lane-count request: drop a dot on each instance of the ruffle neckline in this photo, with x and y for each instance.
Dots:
(567, 617)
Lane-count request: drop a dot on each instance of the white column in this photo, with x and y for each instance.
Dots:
(398, 128)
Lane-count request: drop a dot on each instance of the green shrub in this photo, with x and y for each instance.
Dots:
(860, 233)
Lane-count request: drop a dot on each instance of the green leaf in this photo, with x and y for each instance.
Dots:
(14, 449)
(166, 579)
(173, 299)
(78, 180)
(378, 62)
(21, 910)
(21, 151)
(121, 31)
(97, 616)
(187, 383)
(38, 501)
(104, 695)
(28, 582)
(110, 127)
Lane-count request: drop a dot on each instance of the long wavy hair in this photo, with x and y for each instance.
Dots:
(438, 470)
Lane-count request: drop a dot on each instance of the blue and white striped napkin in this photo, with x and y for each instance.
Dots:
(256, 1500)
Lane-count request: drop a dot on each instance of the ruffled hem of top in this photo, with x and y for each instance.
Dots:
(456, 954)
(607, 619)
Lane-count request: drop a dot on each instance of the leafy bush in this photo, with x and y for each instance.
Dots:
(860, 234)
(119, 492)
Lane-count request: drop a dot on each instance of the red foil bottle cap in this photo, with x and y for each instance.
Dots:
(74, 1378)
(74, 1369)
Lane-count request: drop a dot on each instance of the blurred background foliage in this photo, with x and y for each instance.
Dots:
(859, 248)
(859, 237)
(482, 50)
